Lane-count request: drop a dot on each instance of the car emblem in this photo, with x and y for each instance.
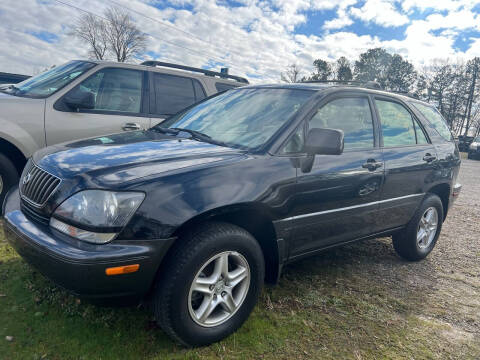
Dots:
(26, 178)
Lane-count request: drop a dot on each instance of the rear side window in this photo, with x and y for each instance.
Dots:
(175, 93)
(353, 116)
(224, 87)
(436, 119)
(397, 124)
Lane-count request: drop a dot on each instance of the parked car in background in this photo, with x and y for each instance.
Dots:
(464, 142)
(9, 78)
(474, 149)
(87, 98)
(203, 208)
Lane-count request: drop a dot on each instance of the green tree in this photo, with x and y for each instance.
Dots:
(373, 65)
(343, 69)
(323, 70)
(400, 74)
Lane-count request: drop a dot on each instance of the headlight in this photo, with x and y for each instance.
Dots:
(96, 215)
(473, 146)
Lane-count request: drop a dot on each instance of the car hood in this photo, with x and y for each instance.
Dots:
(123, 157)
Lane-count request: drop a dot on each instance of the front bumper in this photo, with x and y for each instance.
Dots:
(78, 266)
(457, 188)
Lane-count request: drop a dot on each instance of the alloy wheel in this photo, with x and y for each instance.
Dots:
(219, 289)
(427, 228)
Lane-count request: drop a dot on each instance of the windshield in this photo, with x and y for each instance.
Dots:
(47, 83)
(245, 118)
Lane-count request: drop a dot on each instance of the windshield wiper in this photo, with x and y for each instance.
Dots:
(8, 88)
(165, 130)
(198, 135)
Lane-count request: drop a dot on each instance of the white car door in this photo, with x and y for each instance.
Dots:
(110, 100)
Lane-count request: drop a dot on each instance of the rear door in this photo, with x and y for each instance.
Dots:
(171, 94)
(120, 104)
(337, 200)
(410, 162)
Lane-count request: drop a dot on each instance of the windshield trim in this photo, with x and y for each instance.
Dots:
(60, 88)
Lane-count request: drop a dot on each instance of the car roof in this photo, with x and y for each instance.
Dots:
(166, 70)
(334, 86)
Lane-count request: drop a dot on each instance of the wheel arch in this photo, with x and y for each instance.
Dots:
(443, 192)
(14, 154)
(254, 219)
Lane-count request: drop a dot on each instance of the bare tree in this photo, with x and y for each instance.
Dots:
(116, 35)
(93, 31)
(125, 40)
(292, 74)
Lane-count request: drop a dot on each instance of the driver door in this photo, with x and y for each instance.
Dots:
(337, 200)
(119, 105)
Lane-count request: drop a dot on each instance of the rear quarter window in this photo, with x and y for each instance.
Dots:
(435, 119)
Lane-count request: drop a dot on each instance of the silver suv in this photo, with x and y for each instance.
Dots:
(90, 98)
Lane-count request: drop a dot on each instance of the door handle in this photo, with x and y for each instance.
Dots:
(429, 157)
(372, 164)
(131, 126)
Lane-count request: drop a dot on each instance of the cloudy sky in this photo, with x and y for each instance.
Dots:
(254, 38)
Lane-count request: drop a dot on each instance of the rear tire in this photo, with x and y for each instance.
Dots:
(197, 262)
(418, 239)
(8, 176)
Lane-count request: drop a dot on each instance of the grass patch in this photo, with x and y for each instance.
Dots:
(333, 306)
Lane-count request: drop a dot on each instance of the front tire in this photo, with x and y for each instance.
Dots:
(418, 239)
(8, 176)
(209, 284)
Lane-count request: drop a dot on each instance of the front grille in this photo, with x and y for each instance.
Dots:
(33, 214)
(37, 185)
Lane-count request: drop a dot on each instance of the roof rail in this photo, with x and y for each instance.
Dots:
(223, 74)
(406, 93)
(365, 84)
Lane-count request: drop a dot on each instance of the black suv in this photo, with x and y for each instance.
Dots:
(202, 209)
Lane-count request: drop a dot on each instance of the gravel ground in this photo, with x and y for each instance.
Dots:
(435, 300)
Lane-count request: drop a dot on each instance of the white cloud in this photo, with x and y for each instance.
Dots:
(343, 19)
(257, 38)
(448, 5)
(381, 12)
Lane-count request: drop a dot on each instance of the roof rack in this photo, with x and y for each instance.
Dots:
(366, 84)
(223, 74)
(407, 93)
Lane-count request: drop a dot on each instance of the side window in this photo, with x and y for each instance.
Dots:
(436, 119)
(223, 87)
(175, 93)
(421, 138)
(397, 124)
(114, 89)
(353, 116)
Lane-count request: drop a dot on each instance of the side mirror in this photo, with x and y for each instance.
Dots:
(79, 99)
(324, 142)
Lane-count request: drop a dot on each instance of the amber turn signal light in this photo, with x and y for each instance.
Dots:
(126, 269)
